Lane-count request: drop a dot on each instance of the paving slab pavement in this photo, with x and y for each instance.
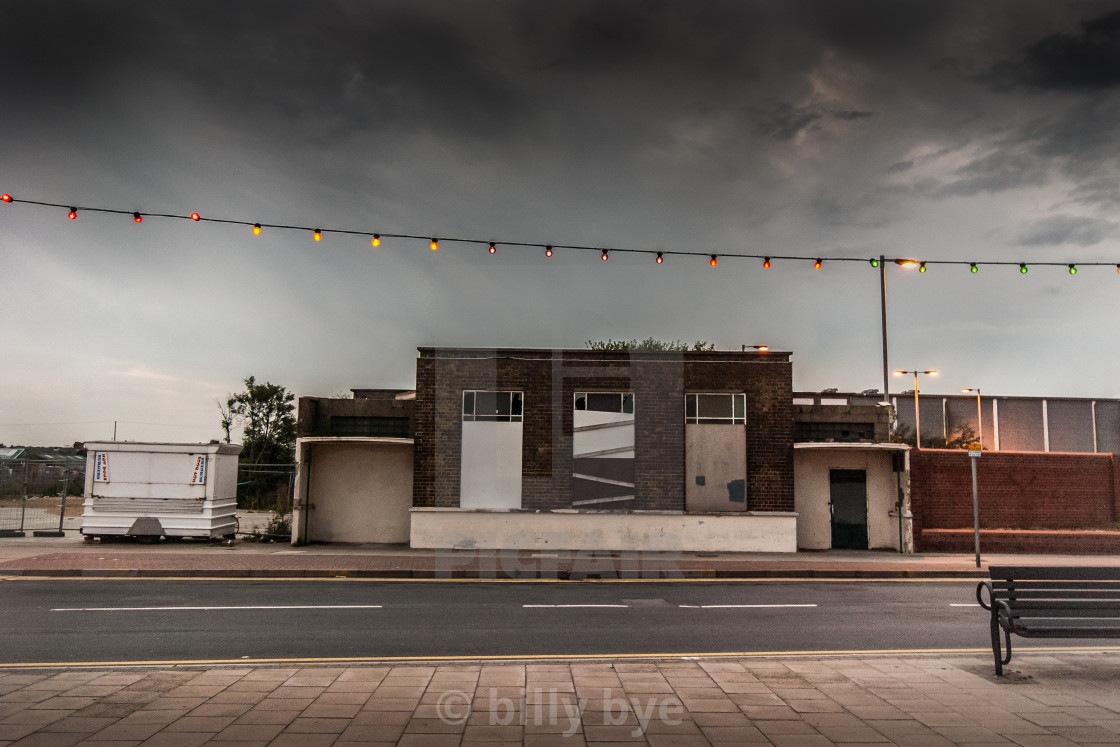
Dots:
(1058, 698)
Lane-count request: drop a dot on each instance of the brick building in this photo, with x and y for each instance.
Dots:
(632, 450)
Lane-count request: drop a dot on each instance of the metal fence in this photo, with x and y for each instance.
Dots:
(266, 487)
(36, 494)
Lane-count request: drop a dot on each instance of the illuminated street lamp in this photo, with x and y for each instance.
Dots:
(979, 417)
(917, 416)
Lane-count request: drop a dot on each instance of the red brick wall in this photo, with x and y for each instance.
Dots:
(1017, 490)
(549, 380)
(1032, 541)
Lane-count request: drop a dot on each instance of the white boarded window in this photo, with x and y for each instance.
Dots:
(715, 409)
(490, 472)
(603, 450)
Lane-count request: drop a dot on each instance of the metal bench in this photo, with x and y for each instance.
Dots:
(1050, 602)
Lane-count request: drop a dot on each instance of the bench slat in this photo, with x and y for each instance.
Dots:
(1054, 583)
(1085, 573)
(1087, 594)
(1058, 631)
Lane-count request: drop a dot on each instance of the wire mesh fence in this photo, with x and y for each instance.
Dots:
(36, 494)
(267, 488)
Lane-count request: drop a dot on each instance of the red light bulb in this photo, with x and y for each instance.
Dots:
(713, 261)
(605, 257)
(766, 264)
(6, 197)
(72, 214)
(196, 216)
(136, 217)
(660, 259)
(548, 251)
(493, 248)
(817, 265)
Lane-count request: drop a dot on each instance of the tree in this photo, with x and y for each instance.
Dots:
(267, 414)
(960, 437)
(648, 344)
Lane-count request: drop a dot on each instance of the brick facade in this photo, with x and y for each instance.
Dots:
(313, 414)
(550, 379)
(1017, 491)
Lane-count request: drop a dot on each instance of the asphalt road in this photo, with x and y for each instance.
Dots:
(87, 620)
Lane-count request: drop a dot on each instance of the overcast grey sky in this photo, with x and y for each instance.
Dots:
(938, 130)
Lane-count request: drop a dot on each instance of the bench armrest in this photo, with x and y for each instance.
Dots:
(980, 598)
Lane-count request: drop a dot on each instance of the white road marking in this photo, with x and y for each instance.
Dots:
(969, 604)
(742, 606)
(262, 607)
(623, 606)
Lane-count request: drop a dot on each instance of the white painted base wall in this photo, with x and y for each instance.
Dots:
(443, 528)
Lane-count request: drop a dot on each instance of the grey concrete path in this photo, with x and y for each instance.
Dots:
(71, 555)
(1047, 699)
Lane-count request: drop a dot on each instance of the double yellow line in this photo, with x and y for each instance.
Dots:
(1021, 650)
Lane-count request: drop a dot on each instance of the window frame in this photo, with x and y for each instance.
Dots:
(738, 409)
(515, 407)
(625, 400)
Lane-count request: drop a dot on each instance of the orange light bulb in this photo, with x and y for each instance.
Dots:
(376, 240)
(318, 235)
(435, 244)
(256, 229)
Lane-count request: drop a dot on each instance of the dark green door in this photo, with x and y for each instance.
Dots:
(848, 498)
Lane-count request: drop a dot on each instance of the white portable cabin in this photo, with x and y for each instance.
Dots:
(150, 489)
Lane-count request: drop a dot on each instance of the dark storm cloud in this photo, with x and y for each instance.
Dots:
(996, 172)
(1067, 229)
(1088, 59)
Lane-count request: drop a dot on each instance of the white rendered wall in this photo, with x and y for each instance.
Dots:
(434, 528)
(361, 492)
(491, 465)
(811, 495)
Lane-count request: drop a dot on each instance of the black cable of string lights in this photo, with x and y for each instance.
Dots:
(434, 242)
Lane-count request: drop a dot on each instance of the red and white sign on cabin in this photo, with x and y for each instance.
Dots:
(101, 467)
(198, 477)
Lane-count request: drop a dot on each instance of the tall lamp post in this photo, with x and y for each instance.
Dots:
(917, 414)
(979, 417)
(882, 265)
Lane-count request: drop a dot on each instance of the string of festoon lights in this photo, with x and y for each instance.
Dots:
(435, 242)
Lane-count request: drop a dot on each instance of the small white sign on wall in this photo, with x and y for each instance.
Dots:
(198, 477)
(101, 467)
